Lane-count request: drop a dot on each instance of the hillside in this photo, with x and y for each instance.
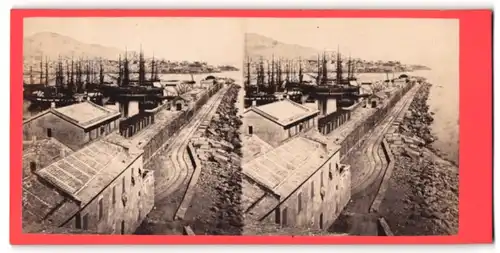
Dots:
(53, 45)
(257, 46)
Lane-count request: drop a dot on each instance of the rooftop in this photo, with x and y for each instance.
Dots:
(253, 146)
(44, 203)
(284, 112)
(43, 152)
(284, 168)
(86, 113)
(86, 172)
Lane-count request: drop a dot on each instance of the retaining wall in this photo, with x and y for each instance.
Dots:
(160, 139)
(353, 139)
(186, 200)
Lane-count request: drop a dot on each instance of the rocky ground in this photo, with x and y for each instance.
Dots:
(215, 206)
(422, 198)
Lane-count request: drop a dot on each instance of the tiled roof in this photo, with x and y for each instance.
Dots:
(253, 146)
(41, 201)
(86, 172)
(43, 152)
(284, 112)
(284, 168)
(86, 113)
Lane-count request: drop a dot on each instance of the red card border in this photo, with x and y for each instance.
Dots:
(475, 162)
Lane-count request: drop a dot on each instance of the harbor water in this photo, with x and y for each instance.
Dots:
(443, 102)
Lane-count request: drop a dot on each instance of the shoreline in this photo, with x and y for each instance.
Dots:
(422, 197)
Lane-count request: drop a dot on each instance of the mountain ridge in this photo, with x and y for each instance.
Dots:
(54, 45)
(257, 46)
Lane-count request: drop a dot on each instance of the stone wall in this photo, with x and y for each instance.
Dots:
(353, 139)
(160, 140)
(216, 201)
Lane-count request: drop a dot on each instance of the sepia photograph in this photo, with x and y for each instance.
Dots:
(240, 126)
(114, 110)
(350, 126)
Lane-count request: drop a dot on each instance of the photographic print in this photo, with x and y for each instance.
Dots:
(250, 127)
(350, 128)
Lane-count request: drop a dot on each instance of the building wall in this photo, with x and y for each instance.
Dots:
(264, 128)
(301, 126)
(67, 133)
(133, 200)
(313, 208)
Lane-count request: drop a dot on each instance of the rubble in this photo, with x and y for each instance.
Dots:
(218, 192)
(422, 198)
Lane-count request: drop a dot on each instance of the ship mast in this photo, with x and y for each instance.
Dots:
(142, 73)
(120, 72)
(272, 86)
(324, 71)
(101, 72)
(153, 69)
(41, 70)
(318, 75)
(339, 66)
(301, 75)
(72, 79)
(46, 71)
(31, 75)
(248, 71)
(126, 72)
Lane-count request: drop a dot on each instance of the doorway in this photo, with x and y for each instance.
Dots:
(321, 221)
(178, 106)
(374, 103)
(122, 227)
(49, 132)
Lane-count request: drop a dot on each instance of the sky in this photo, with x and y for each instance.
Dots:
(214, 40)
(432, 42)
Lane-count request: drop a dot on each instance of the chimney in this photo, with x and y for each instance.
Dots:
(52, 104)
(254, 102)
(62, 153)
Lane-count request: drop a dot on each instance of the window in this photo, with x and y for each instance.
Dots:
(312, 189)
(277, 216)
(337, 187)
(301, 127)
(322, 184)
(123, 185)
(122, 229)
(49, 132)
(321, 221)
(102, 130)
(284, 217)
(100, 208)
(299, 202)
(250, 130)
(78, 221)
(85, 222)
(33, 166)
(113, 194)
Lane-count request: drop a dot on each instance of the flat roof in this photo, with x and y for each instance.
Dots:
(253, 146)
(86, 172)
(86, 113)
(284, 168)
(284, 112)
